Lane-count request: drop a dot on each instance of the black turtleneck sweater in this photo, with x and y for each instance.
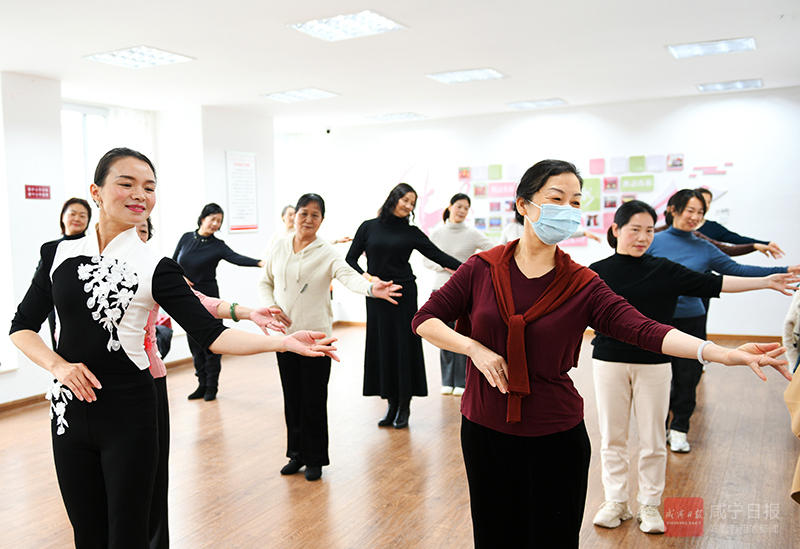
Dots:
(388, 245)
(652, 285)
(199, 257)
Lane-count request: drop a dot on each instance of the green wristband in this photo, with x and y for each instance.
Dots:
(233, 312)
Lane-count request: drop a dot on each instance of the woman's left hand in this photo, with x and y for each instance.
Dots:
(308, 343)
(783, 282)
(758, 355)
(264, 318)
(386, 290)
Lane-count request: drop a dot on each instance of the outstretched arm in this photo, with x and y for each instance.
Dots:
(754, 355)
(236, 342)
(780, 282)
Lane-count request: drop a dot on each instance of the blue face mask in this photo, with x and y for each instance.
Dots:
(555, 223)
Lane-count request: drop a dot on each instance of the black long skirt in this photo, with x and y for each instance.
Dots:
(393, 363)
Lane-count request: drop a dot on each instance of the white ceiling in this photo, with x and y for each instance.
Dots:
(583, 51)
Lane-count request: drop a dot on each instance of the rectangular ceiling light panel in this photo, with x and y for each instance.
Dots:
(399, 117)
(306, 94)
(712, 48)
(731, 86)
(139, 57)
(465, 76)
(343, 27)
(543, 104)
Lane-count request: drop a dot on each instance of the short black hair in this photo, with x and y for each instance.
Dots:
(624, 214)
(310, 197)
(209, 209)
(537, 175)
(69, 203)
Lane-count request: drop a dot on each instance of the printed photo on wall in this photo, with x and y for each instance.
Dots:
(674, 161)
(610, 201)
(591, 220)
(495, 222)
(480, 190)
(463, 174)
(610, 183)
(511, 205)
(494, 206)
(480, 223)
(628, 198)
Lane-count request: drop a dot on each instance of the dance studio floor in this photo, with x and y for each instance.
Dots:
(402, 488)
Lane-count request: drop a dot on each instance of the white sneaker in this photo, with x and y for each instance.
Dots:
(447, 390)
(677, 442)
(458, 391)
(650, 518)
(612, 513)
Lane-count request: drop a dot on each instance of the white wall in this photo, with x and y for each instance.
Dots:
(354, 169)
(192, 145)
(31, 152)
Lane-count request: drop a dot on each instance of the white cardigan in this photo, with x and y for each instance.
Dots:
(299, 283)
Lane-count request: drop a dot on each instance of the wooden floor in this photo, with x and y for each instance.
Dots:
(389, 488)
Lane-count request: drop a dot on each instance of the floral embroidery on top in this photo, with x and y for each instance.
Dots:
(105, 275)
(58, 395)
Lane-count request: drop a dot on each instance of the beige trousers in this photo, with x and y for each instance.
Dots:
(643, 390)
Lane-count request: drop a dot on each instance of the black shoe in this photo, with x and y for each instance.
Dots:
(391, 413)
(292, 467)
(200, 392)
(313, 472)
(211, 394)
(403, 412)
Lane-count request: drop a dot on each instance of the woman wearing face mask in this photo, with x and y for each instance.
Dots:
(199, 252)
(630, 380)
(103, 401)
(460, 241)
(685, 211)
(522, 311)
(296, 284)
(394, 367)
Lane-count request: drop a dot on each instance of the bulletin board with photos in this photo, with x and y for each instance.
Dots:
(608, 183)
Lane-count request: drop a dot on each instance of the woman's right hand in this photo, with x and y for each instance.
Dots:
(280, 316)
(309, 343)
(771, 249)
(78, 378)
(492, 366)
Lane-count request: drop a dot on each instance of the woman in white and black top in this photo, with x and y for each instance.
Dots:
(103, 401)
(460, 241)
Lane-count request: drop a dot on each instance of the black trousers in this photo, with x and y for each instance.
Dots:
(686, 374)
(159, 520)
(526, 491)
(105, 462)
(305, 405)
(207, 365)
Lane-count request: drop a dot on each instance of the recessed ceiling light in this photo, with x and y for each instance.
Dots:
(544, 104)
(465, 76)
(306, 94)
(399, 117)
(712, 48)
(139, 57)
(343, 27)
(731, 86)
